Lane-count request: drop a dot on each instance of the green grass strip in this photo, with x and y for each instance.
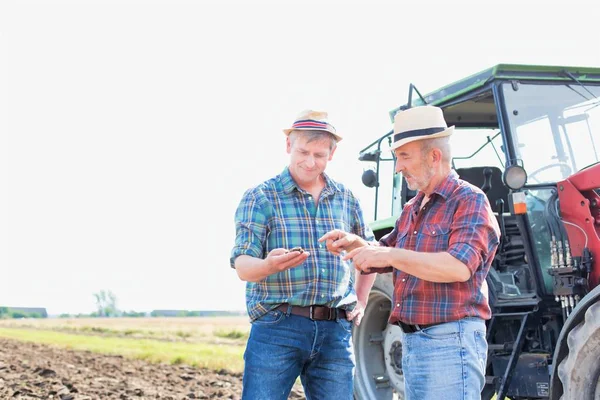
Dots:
(211, 356)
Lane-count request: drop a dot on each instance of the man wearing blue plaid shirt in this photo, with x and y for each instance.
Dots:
(302, 300)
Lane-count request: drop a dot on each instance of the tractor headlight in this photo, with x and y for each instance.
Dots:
(515, 177)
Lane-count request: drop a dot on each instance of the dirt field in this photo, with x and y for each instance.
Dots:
(33, 371)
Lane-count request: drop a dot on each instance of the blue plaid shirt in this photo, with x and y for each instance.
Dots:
(279, 214)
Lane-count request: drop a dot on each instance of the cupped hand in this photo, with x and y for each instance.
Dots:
(282, 259)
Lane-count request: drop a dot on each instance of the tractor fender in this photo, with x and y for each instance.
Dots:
(561, 350)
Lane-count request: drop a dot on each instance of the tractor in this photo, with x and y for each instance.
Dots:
(529, 137)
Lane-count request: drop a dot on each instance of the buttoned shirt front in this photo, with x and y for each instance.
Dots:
(457, 219)
(279, 214)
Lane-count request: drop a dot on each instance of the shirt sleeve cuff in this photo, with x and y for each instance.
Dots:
(242, 251)
(467, 255)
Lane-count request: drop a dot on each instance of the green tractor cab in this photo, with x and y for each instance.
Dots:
(525, 135)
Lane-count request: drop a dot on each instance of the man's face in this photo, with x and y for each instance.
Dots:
(414, 165)
(308, 159)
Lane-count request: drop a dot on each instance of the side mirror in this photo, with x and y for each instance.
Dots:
(369, 178)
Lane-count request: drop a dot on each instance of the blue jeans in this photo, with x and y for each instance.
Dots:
(283, 346)
(445, 361)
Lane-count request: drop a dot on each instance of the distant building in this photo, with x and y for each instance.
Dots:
(28, 312)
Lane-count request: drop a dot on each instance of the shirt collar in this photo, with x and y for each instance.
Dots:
(287, 182)
(443, 189)
(447, 185)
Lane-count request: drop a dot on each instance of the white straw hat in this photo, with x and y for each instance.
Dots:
(418, 123)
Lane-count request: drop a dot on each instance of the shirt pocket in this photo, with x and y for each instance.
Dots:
(401, 239)
(433, 237)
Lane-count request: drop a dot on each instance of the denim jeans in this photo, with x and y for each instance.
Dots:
(283, 346)
(445, 361)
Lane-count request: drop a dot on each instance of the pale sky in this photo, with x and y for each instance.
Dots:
(129, 130)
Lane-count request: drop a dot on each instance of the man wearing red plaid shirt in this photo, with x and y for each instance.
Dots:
(440, 251)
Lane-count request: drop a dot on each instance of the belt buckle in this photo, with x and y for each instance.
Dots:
(330, 313)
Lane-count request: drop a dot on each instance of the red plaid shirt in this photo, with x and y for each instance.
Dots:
(457, 219)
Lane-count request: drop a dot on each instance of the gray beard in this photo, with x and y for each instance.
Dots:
(419, 184)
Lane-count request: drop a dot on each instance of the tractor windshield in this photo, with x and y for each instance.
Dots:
(555, 128)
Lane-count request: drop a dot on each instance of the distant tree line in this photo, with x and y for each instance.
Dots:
(6, 312)
(159, 313)
(106, 306)
(187, 313)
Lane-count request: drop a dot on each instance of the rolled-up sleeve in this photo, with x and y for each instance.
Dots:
(474, 234)
(250, 228)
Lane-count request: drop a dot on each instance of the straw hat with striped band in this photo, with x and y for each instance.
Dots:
(418, 123)
(311, 120)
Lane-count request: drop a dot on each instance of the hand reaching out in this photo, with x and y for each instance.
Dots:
(337, 241)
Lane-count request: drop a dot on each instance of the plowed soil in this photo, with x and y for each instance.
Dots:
(33, 371)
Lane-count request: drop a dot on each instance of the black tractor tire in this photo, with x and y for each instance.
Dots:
(580, 369)
(378, 348)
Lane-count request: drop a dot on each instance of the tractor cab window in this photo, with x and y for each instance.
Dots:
(555, 128)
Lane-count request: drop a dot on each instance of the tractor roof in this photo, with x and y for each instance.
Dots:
(481, 80)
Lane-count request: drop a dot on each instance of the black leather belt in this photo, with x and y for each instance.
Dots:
(406, 328)
(316, 313)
